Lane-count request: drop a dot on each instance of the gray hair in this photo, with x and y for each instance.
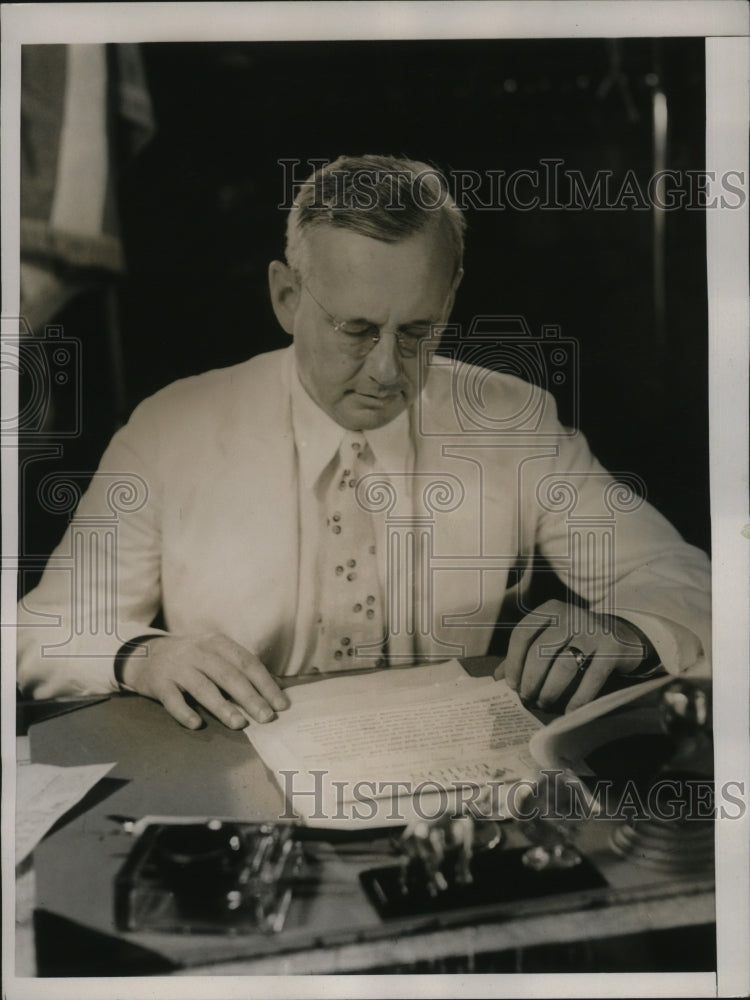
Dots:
(385, 198)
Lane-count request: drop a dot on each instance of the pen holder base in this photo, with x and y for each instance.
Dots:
(498, 877)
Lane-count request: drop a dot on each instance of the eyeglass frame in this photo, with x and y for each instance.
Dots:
(339, 324)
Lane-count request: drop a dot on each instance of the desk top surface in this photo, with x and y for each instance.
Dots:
(163, 769)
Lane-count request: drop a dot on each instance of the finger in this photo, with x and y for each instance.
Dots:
(526, 632)
(562, 673)
(258, 674)
(236, 686)
(205, 691)
(611, 655)
(254, 670)
(592, 681)
(549, 670)
(539, 661)
(241, 691)
(171, 698)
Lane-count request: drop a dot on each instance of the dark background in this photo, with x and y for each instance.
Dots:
(200, 224)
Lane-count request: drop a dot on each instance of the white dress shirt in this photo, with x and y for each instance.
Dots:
(317, 439)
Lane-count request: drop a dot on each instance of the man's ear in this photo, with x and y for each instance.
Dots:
(285, 291)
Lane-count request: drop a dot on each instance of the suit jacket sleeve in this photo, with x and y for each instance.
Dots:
(610, 546)
(101, 587)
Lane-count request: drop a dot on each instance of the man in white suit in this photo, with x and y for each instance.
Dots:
(222, 521)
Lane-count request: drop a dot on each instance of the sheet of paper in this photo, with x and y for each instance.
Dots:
(377, 683)
(44, 793)
(449, 726)
(455, 732)
(557, 745)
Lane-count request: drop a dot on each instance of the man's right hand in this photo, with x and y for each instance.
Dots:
(217, 672)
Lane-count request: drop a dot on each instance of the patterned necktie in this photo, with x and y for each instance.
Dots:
(349, 625)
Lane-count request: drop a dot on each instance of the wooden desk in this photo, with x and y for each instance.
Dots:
(164, 769)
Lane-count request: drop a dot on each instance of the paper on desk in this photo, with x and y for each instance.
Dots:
(566, 740)
(366, 733)
(44, 793)
(367, 685)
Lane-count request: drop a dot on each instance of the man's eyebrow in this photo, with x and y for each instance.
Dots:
(360, 319)
(402, 326)
(419, 322)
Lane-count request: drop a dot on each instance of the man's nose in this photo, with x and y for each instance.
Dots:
(384, 360)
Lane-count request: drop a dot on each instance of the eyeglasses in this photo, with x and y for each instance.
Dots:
(357, 337)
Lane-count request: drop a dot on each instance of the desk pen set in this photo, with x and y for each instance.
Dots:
(228, 877)
(211, 876)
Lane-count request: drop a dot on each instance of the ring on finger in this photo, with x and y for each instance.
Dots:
(582, 660)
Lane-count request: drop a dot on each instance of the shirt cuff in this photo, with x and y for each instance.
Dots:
(131, 647)
(678, 647)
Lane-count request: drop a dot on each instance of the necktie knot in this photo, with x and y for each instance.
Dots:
(353, 460)
(355, 449)
(354, 441)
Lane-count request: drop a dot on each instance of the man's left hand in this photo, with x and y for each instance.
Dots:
(560, 643)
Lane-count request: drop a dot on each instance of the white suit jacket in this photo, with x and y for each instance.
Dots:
(194, 508)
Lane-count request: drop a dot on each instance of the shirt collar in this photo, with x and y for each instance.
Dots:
(318, 437)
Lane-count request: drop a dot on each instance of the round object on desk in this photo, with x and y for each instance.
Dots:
(667, 847)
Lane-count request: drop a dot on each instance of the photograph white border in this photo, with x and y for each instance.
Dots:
(725, 25)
